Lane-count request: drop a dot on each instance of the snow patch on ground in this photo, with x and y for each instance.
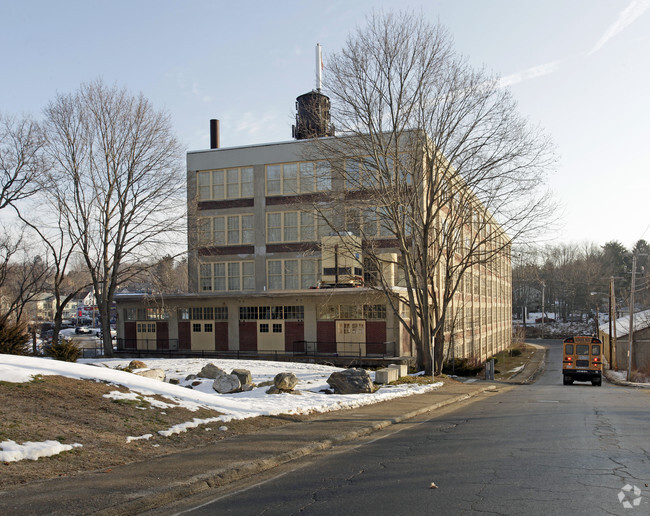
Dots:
(196, 393)
(11, 451)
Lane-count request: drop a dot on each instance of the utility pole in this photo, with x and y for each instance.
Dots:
(612, 325)
(630, 336)
(543, 289)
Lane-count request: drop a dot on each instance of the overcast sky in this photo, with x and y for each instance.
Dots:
(578, 68)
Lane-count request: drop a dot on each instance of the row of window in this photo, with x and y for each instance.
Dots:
(291, 226)
(293, 178)
(204, 313)
(240, 276)
(231, 183)
(146, 314)
(281, 179)
(227, 276)
(255, 313)
(296, 178)
(226, 230)
(205, 328)
(336, 311)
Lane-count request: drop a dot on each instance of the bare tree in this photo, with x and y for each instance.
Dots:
(62, 248)
(118, 177)
(435, 159)
(26, 275)
(21, 162)
(21, 159)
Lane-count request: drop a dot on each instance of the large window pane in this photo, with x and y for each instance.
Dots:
(370, 222)
(218, 192)
(205, 278)
(274, 274)
(274, 227)
(247, 182)
(323, 176)
(307, 232)
(220, 276)
(232, 179)
(233, 230)
(290, 274)
(308, 273)
(307, 177)
(290, 227)
(248, 275)
(247, 232)
(290, 173)
(205, 227)
(234, 282)
(273, 179)
(352, 174)
(204, 185)
(219, 231)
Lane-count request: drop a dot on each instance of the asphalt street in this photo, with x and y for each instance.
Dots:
(533, 449)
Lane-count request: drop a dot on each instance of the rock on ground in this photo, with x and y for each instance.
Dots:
(351, 381)
(156, 374)
(210, 371)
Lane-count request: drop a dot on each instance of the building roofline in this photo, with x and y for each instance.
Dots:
(254, 145)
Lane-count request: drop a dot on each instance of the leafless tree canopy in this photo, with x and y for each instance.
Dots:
(117, 177)
(20, 159)
(451, 170)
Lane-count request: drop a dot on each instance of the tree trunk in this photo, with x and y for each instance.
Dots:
(439, 351)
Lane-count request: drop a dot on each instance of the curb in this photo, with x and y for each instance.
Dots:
(151, 500)
(623, 383)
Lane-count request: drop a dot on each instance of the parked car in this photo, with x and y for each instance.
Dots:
(82, 330)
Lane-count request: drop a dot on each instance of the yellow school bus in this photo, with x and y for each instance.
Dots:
(582, 360)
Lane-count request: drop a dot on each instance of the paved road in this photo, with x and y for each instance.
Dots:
(532, 449)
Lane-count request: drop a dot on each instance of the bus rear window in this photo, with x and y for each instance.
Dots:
(582, 349)
(568, 349)
(595, 349)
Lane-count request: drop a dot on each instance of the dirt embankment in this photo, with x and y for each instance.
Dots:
(75, 411)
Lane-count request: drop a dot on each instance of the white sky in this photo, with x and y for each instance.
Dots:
(579, 68)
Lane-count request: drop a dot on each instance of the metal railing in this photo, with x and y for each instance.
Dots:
(302, 348)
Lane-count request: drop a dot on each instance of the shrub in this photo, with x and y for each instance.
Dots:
(640, 376)
(462, 367)
(515, 352)
(65, 350)
(13, 337)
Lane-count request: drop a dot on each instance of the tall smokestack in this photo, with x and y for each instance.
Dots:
(319, 68)
(214, 134)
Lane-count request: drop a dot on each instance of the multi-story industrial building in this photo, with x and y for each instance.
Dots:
(267, 274)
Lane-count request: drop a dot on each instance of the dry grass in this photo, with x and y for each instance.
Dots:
(507, 361)
(640, 376)
(75, 411)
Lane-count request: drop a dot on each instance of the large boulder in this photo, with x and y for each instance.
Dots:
(156, 374)
(283, 382)
(210, 371)
(244, 376)
(351, 381)
(226, 383)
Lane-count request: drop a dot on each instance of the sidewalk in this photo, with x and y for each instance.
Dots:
(532, 369)
(138, 487)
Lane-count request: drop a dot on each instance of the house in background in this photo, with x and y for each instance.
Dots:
(616, 350)
(42, 307)
(268, 276)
